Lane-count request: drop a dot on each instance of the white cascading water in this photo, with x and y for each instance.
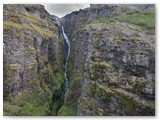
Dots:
(66, 52)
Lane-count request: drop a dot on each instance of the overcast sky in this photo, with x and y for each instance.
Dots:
(61, 10)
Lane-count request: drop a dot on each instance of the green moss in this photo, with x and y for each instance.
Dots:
(74, 40)
(34, 99)
(11, 109)
(10, 71)
(54, 108)
(7, 26)
(12, 7)
(104, 92)
(95, 72)
(32, 65)
(53, 88)
(119, 33)
(128, 104)
(18, 100)
(58, 93)
(13, 66)
(70, 67)
(99, 66)
(37, 21)
(92, 90)
(115, 38)
(52, 27)
(36, 24)
(10, 25)
(27, 104)
(39, 111)
(123, 38)
(137, 34)
(139, 88)
(68, 111)
(145, 19)
(58, 84)
(113, 81)
(4, 11)
(31, 51)
(59, 77)
(31, 103)
(132, 51)
(106, 64)
(26, 39)
(138, 85)
(27, 109)
(74, 91)
(46, 34)
(136, 38)
(86, 104)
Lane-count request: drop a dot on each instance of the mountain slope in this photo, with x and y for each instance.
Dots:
(113, 56)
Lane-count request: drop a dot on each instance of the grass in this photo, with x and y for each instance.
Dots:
(33, 19)
(32, 65)
(44, 32)
(12, 7)
(27, 109)
(37, 25)
(11, 109)
(68, 111)
(14, 19)
(58, 83)
(136, 38)
(39, 111)
(10, 25)
(145, 19)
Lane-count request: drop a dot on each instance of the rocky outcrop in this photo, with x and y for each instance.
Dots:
(111, 68)
(32, 61)
(77, 19)
(113, 61)
(118, 71)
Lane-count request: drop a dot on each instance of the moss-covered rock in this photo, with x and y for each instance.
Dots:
(32, 79)
(68, 111)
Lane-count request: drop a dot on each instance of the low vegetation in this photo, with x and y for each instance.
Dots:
(145, 19)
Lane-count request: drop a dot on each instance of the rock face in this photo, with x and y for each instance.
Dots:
(118, 71)
(32, 60)
(76, 19)
(111, 66)
(114, 63)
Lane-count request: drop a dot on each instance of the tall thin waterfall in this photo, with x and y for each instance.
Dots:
(66, 52)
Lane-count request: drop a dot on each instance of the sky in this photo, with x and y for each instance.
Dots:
(61, 10)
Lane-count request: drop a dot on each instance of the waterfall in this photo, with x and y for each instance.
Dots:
(66, 42)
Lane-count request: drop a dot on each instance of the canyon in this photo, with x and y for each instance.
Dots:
(98, 61)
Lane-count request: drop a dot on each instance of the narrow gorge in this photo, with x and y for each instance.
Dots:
(66, 42)
(98, 61)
